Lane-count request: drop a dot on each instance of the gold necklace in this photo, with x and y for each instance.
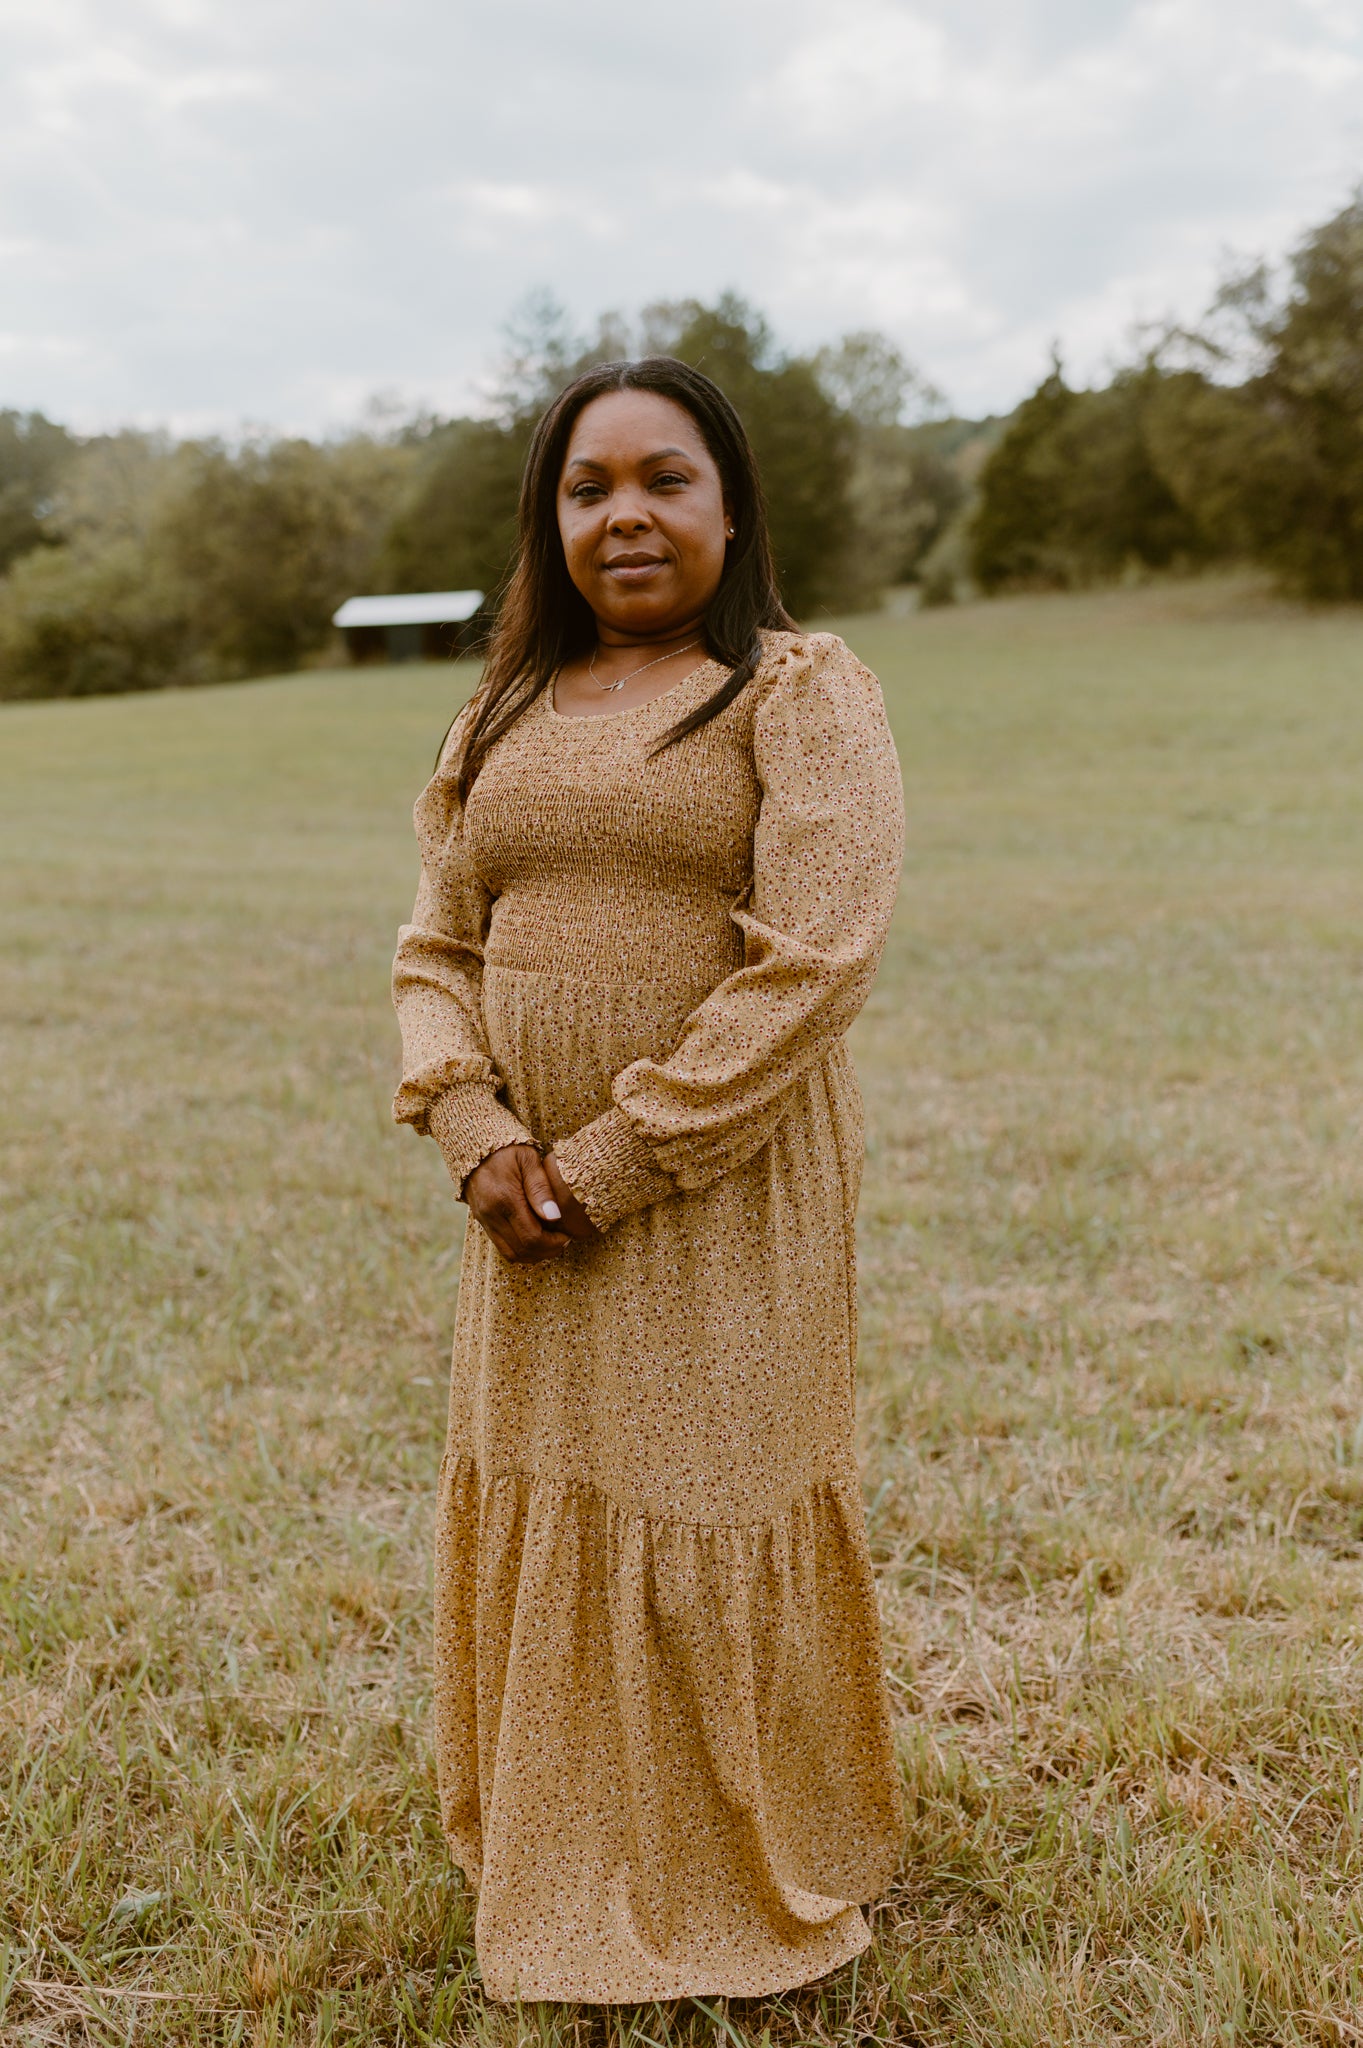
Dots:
(608, 687)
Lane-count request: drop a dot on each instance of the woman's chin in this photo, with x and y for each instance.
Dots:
(641, 614)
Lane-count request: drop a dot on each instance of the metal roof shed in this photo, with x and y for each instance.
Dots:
(412, 625)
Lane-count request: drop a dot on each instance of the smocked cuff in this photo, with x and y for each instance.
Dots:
(469, 1122)
(611, 1170)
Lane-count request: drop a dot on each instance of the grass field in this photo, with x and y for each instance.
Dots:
(1112, 1238)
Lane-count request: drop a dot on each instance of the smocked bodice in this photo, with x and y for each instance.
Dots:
(616, 867)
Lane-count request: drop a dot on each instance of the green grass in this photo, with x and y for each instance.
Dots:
(1112, 1356)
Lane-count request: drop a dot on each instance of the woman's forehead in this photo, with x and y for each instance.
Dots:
(624, 425)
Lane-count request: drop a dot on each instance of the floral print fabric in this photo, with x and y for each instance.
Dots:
(661, 1727)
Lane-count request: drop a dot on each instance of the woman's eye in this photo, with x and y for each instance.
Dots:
(583, 492)
(669, 476)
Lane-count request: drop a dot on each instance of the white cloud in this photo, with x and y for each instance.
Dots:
(868, 62)
(486, 210)
(228, 209)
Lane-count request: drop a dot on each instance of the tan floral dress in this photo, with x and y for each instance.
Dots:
(662, 1734)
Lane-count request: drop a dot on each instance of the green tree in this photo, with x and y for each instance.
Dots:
(1014, 533)
(542, 353)
(1234, 465)
(92, 617)
(266, 542)
(870, 379)
(35, 454)
(804, 442)
(1072, 493)
(456, 527)
(99, 609)
(902, 490)
(115, 488)
(1271, 464)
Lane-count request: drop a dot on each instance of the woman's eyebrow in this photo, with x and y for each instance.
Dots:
(589, 462)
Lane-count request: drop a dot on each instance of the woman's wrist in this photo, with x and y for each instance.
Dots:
(470, 1122)
(611, 1169)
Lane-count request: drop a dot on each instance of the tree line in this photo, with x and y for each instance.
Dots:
(129, 561)
(1241, 439)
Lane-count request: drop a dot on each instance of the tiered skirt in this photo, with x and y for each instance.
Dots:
(662, 1731)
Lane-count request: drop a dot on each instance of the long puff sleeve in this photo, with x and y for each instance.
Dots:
(450, 1086)
(826, 860)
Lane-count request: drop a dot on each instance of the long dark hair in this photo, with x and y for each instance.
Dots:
(543, 620)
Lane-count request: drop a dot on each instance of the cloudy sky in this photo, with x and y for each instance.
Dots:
(224, 211)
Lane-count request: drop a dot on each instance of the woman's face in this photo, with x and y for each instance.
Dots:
(642, 515)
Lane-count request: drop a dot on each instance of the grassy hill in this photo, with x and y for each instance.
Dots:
(1112, 1354)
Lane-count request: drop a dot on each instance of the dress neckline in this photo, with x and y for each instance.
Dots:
(626, 710)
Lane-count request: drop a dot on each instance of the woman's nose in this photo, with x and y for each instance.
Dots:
(629, 515)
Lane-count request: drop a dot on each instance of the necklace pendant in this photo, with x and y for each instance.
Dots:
(609, 688)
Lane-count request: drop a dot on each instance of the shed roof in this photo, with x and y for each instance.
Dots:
(410, 608)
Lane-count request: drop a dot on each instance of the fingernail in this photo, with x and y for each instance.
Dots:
(551, 1210)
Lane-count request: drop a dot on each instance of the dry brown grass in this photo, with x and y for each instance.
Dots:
(1113, 1363)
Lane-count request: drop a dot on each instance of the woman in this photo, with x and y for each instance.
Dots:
(659, 855)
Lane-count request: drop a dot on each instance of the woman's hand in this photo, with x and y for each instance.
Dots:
(512, 1196)
(576, 1221)
(526, 1206)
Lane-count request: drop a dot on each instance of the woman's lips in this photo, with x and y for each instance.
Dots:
(635, 571)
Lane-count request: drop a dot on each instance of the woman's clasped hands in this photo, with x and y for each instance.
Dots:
(526, 1206)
